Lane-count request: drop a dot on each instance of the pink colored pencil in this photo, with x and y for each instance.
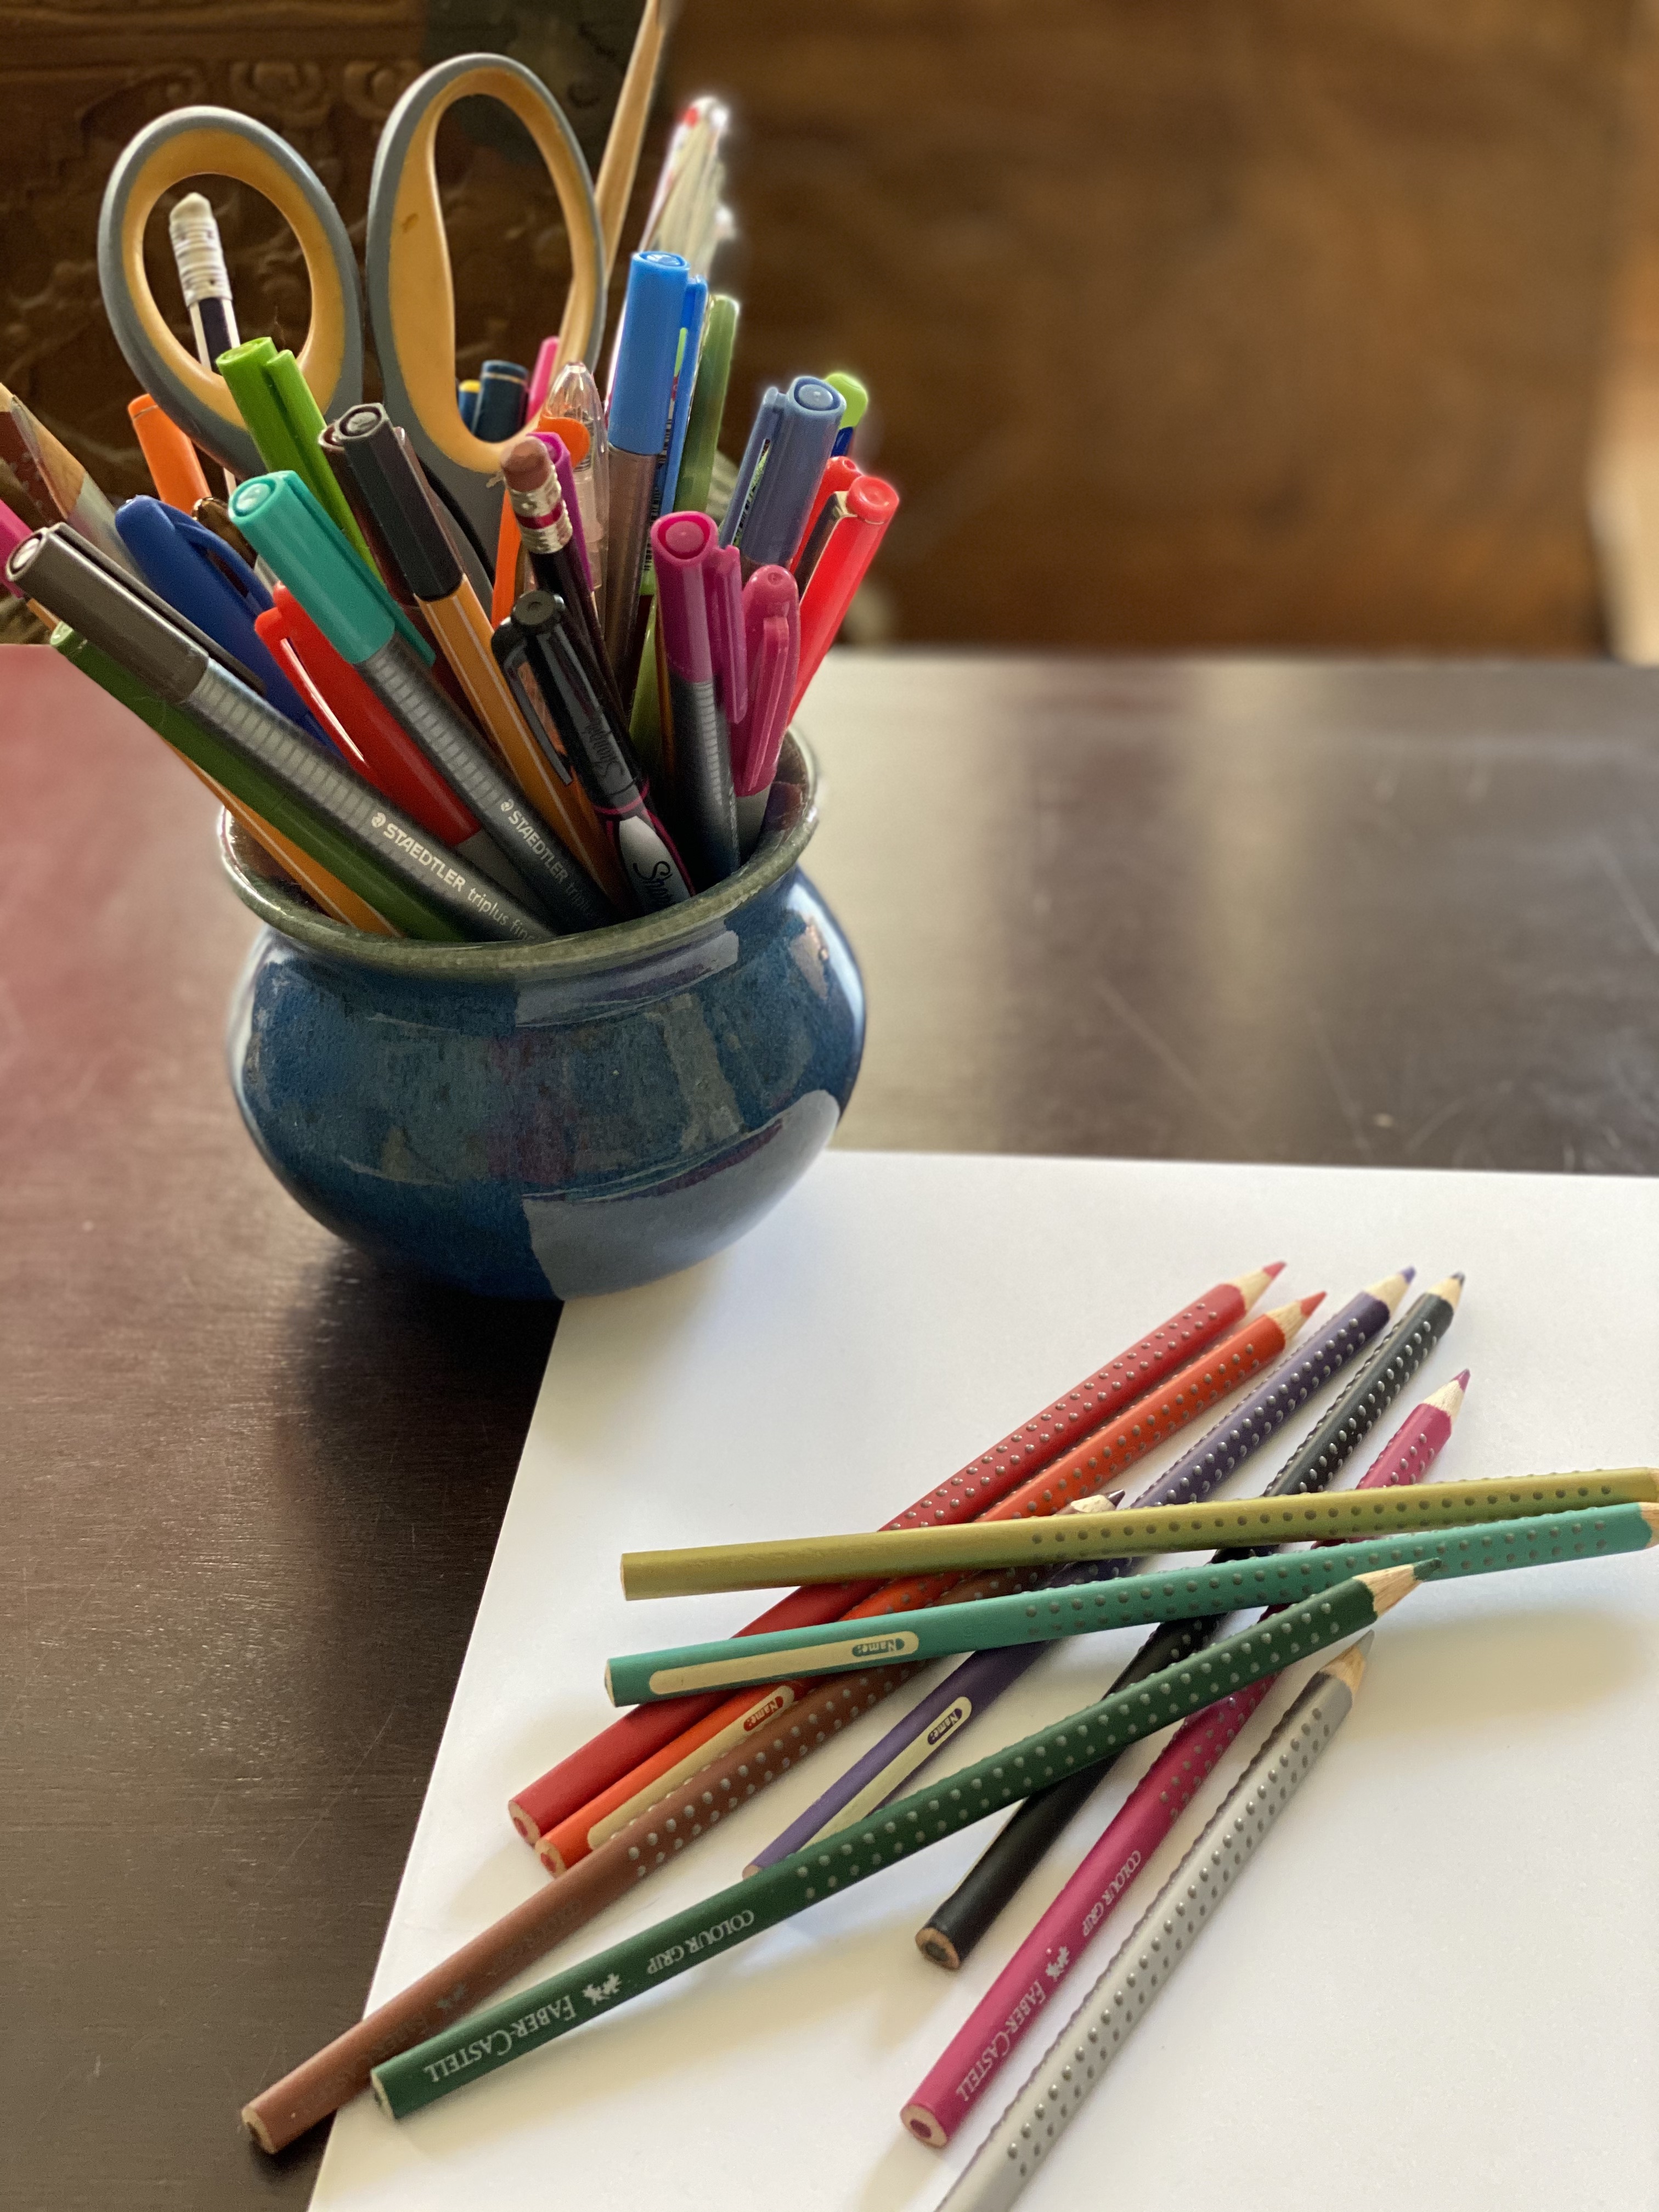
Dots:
(1003, 2017)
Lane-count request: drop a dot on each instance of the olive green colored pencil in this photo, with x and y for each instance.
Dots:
(939, 1631)
(477, 2045)
(1094, 1530)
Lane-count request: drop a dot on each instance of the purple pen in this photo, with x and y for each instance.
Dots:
(771, 622)
(981, 1679)
(699, 620)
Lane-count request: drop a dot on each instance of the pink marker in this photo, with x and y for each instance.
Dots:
(14, 533)
(703, 685)
(771, 622)
(1022, 1991)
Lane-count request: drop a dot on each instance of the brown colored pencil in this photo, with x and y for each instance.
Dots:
(339, 2071)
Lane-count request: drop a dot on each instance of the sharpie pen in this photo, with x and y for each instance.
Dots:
(184, 669)
(196, 572)
(782, 463)
(549, 677)
(361, 621)
(701, 685)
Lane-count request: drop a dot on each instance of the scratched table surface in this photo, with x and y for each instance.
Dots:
(250, 1482)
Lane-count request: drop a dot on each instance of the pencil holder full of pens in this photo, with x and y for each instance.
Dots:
(558, 1119)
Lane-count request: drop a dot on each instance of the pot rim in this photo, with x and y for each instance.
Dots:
(781, 844)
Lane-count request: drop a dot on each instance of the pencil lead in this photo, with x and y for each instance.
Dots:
(1463, 1379)
(1313, 1299)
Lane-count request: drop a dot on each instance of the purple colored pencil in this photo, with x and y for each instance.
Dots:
(979, 1681)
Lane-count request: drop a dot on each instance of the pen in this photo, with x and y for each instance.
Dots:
(377, 456)
(702, 435)
(174, 464)
(551, 679)
(361, 621)
(285, 423)
(871, 505)
(637, 423)
(168, 657)
(771, 619)
(466, 400)
(857, 400)
(374, 742)
(500, 409)
(196, 572)
(541, 378)
(664, 497)
(782, 463)
(702, 685)
(547, 530)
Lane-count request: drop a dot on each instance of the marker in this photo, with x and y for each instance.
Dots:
(285, 422)
(702, 434)
(361, 621)
(852, 545)
(703, 681)
(174, 464)
(771, 621)
(787, 449)
(183, 668)
(550, 678)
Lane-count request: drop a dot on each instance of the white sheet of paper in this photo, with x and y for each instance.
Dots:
(1439, 1982)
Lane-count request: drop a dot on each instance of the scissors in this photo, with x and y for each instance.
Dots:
(411, 294)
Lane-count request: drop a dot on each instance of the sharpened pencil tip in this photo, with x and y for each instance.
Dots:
(1463, 1379)
(1273, 1269)
(1388, 1585)
(1313, 1299)
(1409, 1274)
(1349, 1665)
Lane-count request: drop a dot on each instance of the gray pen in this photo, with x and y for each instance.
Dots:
(183, 667)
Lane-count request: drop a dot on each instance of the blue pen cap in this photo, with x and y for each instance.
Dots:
(637, 413)
(773, 504)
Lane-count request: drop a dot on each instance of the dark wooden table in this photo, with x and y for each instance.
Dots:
(249, 1482)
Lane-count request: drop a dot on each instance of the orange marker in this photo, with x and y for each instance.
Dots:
(174, 466)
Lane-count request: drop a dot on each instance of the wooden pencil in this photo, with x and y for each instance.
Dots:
(959, 1921)
(1086, 1535)
(1148, 1392)
(1021, 1997)
(478, 2044)
(472, 1974)
(1026, 2134)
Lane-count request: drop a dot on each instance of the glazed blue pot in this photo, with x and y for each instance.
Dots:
(549, 1120)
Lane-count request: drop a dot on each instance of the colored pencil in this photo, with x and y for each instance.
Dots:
(60, 487)
(1027, 2132)
(1191, 1390)
(618, 1752)
(959, 1921)
(986, 2041)
(477, 2045)
(1108, 1534)
(472, 1975)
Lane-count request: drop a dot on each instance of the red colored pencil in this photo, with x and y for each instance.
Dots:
(1177, 1402)
(1000, 2021)
(642, 1735)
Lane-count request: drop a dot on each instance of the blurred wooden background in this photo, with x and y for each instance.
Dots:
(1236, 322)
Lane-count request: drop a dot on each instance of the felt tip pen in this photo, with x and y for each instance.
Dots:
(771, 621)
(185, 669)
(174, 464)
(500, 411)
(361, 621)
(857, 400)
(550, 676)
(703, 686)
(196, 572)
(692, 311)
(854, 542)
(375, 742)
(285, 423)
(637, 421)
(547, 531)
(702, 434)
(378, 457)
(787, 449)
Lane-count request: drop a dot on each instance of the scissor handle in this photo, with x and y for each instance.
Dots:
(216, 142)
(411, 298)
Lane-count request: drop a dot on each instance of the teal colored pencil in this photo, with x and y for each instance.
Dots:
(941, 1631)
(477, 2045)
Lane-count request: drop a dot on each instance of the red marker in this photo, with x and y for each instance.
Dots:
(854, 543)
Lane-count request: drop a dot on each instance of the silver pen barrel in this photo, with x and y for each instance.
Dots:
(697, 749)
(572, 901)
(1027, 2132)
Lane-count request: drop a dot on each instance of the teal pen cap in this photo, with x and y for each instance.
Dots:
(281, 518)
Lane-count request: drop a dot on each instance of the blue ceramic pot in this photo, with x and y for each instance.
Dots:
(549, 1121)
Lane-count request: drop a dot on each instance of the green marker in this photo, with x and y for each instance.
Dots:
(702, 429)
(990, 1624)
(477, 2045)
(285, 422)
(857, 400)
